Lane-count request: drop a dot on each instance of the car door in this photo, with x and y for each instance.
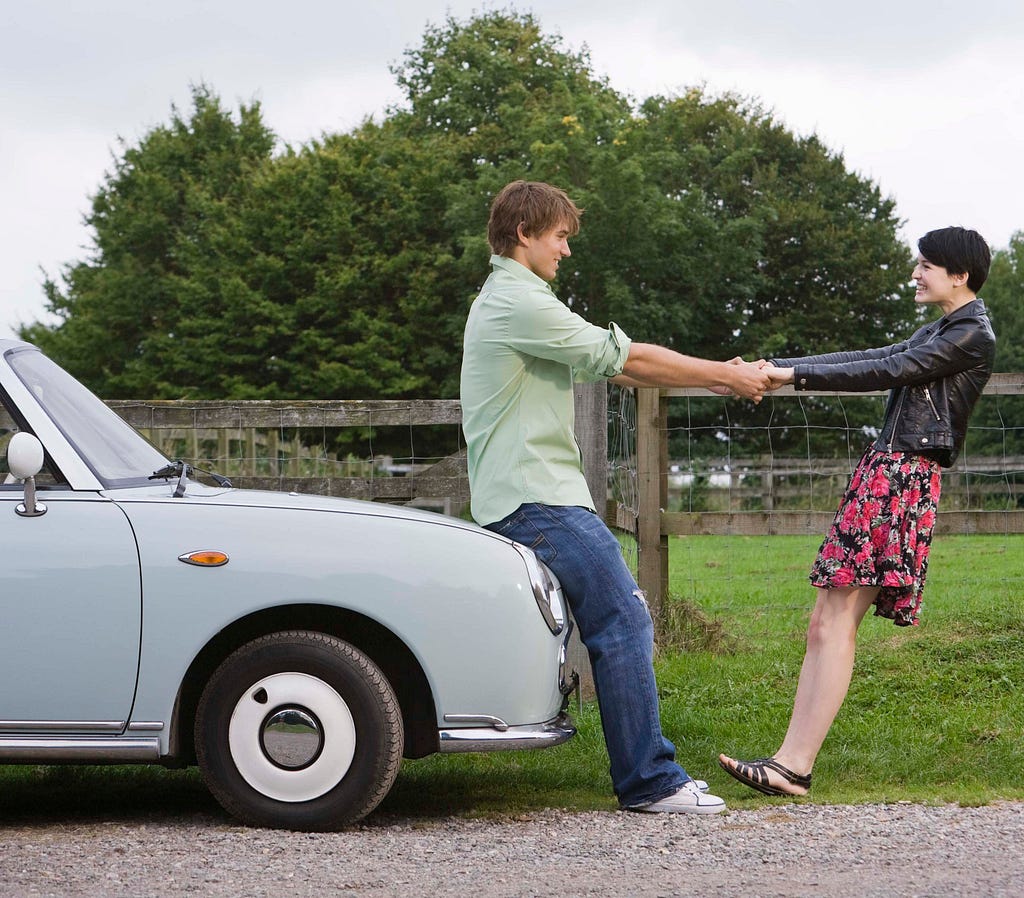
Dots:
(71, 607)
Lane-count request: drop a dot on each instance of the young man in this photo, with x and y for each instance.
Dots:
(522, 351)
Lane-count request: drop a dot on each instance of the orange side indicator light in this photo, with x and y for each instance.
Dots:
(204, 558)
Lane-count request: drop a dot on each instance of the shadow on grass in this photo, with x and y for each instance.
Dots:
(488, 785)
(41, 796)
(433, 788)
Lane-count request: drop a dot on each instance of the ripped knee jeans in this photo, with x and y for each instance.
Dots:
(615, 626)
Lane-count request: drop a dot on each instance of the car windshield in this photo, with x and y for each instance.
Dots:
(113, 449)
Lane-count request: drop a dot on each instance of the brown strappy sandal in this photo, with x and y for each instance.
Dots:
(753, 774)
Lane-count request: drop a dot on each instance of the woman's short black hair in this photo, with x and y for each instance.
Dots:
(959, 251)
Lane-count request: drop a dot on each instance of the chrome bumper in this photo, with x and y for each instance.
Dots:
(538, 735)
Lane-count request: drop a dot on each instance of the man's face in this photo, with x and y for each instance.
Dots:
(542, 253)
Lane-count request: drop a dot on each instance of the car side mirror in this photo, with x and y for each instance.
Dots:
(25, 460)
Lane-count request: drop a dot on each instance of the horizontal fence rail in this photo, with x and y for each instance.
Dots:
(255, 427)
(169, 413)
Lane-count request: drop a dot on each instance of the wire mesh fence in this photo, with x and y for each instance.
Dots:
(748, 493)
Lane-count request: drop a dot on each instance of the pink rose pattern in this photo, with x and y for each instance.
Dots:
(882, 532)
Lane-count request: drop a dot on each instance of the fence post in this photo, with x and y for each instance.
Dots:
(591, 402)
(652, 489)
(767, 485)
(591, 406)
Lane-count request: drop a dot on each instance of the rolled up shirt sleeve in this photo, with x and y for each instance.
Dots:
(545, 328)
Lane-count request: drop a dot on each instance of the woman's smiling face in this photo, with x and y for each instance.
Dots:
(936, 286)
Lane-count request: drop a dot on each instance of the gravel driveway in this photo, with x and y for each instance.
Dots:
(785, 850)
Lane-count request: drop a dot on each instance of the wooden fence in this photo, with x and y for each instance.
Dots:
(268, 461)
(255, 427)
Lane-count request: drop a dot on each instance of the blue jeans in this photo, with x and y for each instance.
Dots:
(615, 626)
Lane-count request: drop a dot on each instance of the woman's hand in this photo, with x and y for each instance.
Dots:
(723, 390)
(779, 376)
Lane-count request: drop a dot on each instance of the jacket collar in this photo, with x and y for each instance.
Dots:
(974, 307)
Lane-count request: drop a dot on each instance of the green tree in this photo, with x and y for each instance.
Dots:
(1002, 293)
(755, 242)
(345, 267)
(995, 426)
(498, 100)
(161, 302)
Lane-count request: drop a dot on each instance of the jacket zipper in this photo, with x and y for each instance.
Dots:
(928, 396)
(896, 419)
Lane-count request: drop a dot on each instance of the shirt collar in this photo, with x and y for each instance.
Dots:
(518, 270)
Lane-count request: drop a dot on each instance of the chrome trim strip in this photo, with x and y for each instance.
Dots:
(495, 722)
(61, 726)
(146, 726)
(537, 735)
(567, 685)
(88, 749)
(541, 583)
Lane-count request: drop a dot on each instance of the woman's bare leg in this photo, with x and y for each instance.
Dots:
(824, 678)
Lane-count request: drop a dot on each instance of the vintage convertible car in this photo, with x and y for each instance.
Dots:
(294, 646)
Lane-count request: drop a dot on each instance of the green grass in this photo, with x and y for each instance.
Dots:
(934, 712)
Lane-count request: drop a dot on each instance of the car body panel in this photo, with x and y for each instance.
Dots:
(72, 611)
(420, 581)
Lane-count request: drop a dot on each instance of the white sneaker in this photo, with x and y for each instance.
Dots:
(688, 800)
(701, 785)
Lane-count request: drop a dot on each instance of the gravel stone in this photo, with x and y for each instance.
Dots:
(783, 851)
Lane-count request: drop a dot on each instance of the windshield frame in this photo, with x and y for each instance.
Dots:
(114, 451)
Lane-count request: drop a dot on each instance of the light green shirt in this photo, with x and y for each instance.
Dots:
(522, 351)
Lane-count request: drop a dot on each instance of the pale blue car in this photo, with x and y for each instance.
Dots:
(295, 647)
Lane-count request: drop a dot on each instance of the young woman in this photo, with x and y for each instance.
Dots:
(876, 552)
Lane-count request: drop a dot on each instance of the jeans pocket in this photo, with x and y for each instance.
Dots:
(508, 525)
(521, 528)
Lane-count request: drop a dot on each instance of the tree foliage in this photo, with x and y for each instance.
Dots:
(1003, 292)
(161, 303)
(995, 426)
(345, 267)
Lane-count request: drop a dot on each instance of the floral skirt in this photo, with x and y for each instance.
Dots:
(882, 532)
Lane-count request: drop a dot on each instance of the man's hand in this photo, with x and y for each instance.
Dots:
(749, 379)
(721, 389)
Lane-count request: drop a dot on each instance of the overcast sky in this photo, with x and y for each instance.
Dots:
(924, 98)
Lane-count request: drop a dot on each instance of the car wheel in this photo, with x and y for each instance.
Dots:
(298, 730)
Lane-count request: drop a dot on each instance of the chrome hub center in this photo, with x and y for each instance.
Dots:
(291, 738)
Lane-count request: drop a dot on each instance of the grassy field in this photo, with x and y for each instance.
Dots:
(933, 715)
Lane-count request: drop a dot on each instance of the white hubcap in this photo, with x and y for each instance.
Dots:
(324, 737)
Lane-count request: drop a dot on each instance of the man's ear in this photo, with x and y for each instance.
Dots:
(521, 234)
(959, 279)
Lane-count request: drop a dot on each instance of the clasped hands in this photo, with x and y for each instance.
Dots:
(752, 380)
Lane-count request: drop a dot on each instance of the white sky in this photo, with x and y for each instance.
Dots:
(924, 98)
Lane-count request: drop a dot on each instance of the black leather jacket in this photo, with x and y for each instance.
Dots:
(935, 379)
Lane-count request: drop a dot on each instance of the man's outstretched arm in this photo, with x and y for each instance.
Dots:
(651, 365)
